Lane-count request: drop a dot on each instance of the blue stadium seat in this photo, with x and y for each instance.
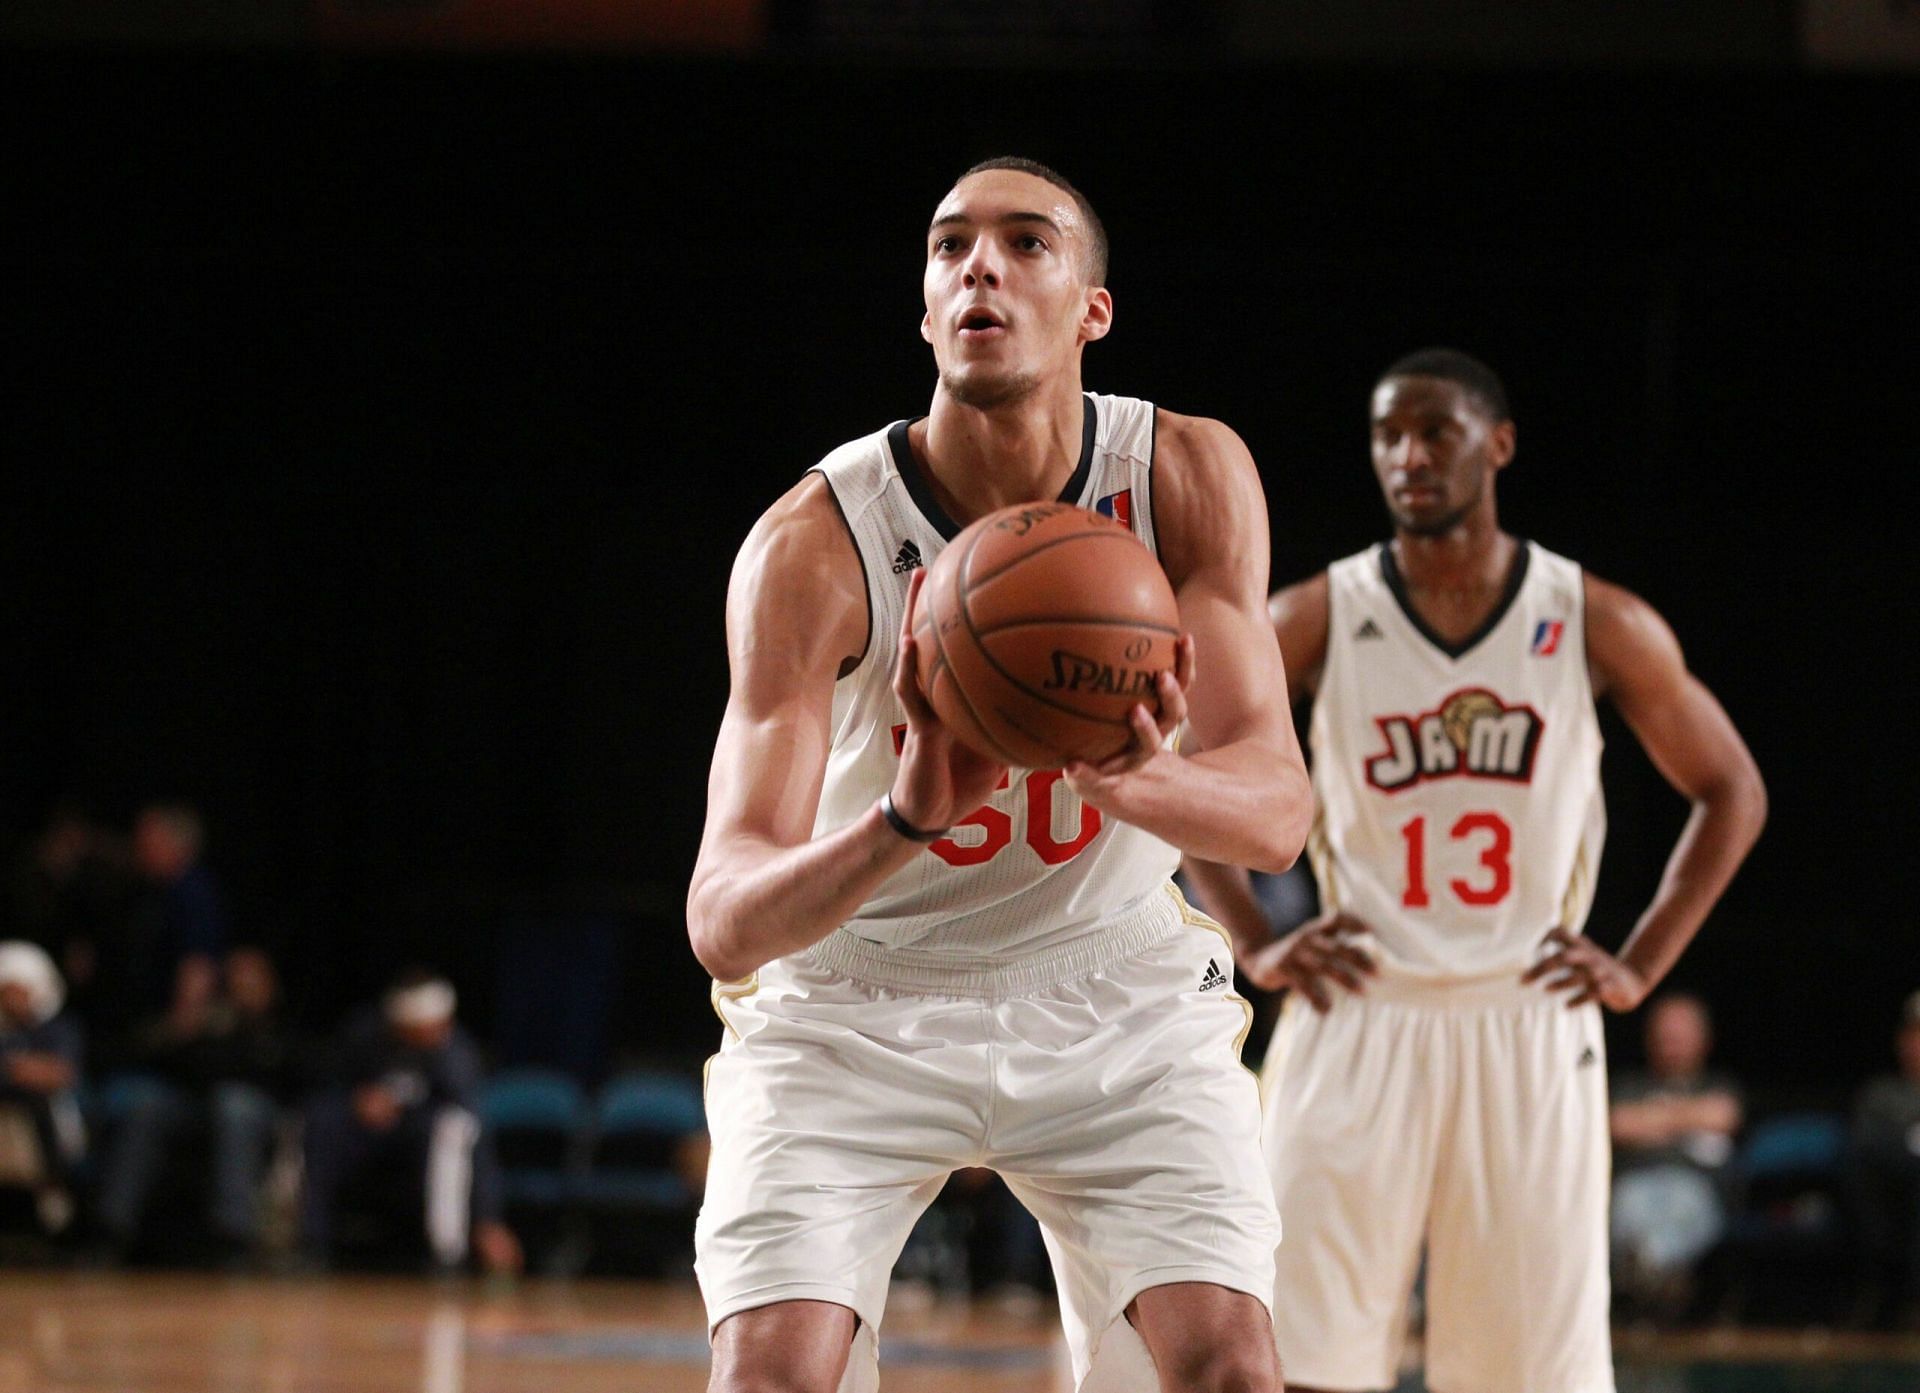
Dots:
(1788, 1233)
(539, 1120)
(641, 1122)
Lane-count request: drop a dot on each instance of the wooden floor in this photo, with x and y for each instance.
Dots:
(73, 1333)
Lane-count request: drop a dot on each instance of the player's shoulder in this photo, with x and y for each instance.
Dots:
(1629, 642)
(1198, 443)
(800, 551)
(1209, 509)
(1612, 609)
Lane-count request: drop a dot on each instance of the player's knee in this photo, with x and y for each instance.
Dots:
(787, 1380)
(1226, 1366)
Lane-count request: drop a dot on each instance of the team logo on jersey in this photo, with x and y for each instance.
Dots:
(1546, 637)
(1471, 733)
(1119, 507)
(907, 558)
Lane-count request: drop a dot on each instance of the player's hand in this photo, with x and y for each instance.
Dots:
(1152, 731)
(941, 780)
(1311, 958)
(1590, 972)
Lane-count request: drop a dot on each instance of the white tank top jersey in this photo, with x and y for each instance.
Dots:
(1459, 806)
(1034, 868)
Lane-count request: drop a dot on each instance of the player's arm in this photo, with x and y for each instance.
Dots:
(1316, 950)
(1242, 796)
(796, 614)
(1657, 1121)
(1636, 660)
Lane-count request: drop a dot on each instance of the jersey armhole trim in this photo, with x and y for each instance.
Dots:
(866, 581)
(1153, 477)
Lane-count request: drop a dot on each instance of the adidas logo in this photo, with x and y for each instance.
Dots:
(1368, 629)
(1214, 977)
(907, 558)
(1587, 1056)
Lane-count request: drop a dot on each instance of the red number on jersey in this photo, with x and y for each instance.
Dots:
(1496, 857)
(998, 825)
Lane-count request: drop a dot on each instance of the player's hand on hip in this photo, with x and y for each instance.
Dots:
(1313, 959)
(941, 780)
(1582, 967)
(1153, 731)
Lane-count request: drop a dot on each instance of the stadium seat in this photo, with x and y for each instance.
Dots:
(1787, 1235)
(642, 1120)
(540, 1123)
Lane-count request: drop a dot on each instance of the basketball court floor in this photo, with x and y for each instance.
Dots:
(74, 1333)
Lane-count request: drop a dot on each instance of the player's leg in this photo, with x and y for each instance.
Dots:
(836, 1111)
(1206, 1337)
(1355, 1102)
(787, 1347)
(1517, 1287)
(1126, 1123)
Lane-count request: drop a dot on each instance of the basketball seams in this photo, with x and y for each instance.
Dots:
(940, 650)
(1098, 533)
(966, 617)
(1040, 620)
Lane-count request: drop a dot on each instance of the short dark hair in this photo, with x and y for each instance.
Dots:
(1096, 230)
(1463, 369)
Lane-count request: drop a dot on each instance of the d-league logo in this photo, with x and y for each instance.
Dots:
(1546, 637)
(1471, 733)
(1118, 506)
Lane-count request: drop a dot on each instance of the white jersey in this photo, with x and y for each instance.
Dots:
(1460, 813)
(1034, 868)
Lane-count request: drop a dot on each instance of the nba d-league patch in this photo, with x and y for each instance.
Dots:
(1546, 637)
(1118, 506)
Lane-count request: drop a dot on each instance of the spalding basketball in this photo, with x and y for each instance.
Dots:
(1038, 629)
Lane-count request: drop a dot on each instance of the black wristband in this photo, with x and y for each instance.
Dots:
(902, 826)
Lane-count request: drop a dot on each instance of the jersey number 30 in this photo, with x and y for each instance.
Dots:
(1496, 863)
(998, 825)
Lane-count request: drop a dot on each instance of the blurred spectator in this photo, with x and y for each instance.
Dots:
(1673, 1128)
(70, 891)
(221, 1075)
(404, 1097)
(165, 961)
(1886, 1178)
(41, 1139)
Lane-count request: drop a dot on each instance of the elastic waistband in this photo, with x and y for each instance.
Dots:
(1150, 920)
(1502, 989)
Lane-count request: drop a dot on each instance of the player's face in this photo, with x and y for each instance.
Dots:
(1008, 303)
(1435, 452)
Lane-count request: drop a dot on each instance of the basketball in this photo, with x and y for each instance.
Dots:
(1038, 629)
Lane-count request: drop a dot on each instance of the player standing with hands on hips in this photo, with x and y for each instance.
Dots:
(1427, 1082)
(924, 960)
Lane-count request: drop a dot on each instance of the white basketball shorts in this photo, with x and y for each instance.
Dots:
(1102, 1080)
(1466, 1115)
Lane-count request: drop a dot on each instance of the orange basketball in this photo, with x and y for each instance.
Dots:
(1037, 630)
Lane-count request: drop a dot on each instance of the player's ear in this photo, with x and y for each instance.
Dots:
(1502, 444)
(926, 326)
(1098, 319)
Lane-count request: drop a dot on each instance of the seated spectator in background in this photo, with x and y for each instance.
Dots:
(1673, 1128)
(404, 1096)
(41, 1139)
(222, 1073)
(167, 959)
(1886, 1178)
(70, 890)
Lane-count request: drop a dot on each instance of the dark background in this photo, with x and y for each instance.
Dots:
(383, 428)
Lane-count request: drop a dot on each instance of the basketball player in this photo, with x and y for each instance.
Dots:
(924, 960)
(1427, 1082)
